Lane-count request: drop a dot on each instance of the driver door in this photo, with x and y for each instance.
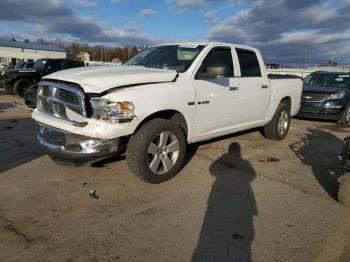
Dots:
(216, 93)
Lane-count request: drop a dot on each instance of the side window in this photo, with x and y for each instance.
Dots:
(217, 64)
(249, 63)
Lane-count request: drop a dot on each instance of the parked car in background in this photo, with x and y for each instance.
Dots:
(164, 98)
(17, 80)
(326, 95)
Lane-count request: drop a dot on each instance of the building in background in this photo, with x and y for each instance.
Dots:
(116, 61)
(84, 56)
(11, 52)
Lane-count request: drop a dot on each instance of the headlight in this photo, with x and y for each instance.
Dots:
(39, 101)
(110, 110)
(338, 95)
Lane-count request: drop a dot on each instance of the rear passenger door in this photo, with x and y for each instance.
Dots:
(255, 90)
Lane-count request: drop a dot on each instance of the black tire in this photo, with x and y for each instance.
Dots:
(344, 190)
(9, 89)
(273, 129)
(21, 85)
(139, 158)
(345, 119)
(30, 96)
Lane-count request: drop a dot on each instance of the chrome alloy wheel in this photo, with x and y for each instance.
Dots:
(163, 152)
(283, 122)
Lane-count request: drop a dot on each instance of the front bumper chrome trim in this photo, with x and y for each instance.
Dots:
(69, 148)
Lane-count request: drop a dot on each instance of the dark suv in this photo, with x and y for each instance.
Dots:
(16, 81)
(326, 95)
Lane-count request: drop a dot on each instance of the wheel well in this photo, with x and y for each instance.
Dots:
(173, 115)
(20, 78)
(288, 101)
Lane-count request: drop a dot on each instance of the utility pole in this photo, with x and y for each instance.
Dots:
(305, 55)
(333, 58)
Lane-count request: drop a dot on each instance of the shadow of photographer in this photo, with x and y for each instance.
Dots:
(228, 231)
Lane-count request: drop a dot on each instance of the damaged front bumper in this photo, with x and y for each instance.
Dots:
(73, 149)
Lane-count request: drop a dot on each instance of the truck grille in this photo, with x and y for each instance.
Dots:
(306, 97)
(55, 98)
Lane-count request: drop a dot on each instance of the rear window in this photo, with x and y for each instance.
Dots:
(249, 63)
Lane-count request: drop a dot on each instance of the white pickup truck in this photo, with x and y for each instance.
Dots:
(164, 98)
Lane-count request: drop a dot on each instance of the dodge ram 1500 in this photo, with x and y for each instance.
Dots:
(164, 98)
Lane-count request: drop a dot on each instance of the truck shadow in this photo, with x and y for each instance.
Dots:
(318, 149)
(18, 143)
(227, 231)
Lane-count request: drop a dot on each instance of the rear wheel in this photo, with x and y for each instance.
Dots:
(278, 127)
(345, 119)
(155, 153)
(21, 85)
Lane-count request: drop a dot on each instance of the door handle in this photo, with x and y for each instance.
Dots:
(232, 88)
(264, 86)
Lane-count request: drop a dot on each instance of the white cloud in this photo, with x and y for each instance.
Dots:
(66, 24)
(188, 4)
(184, 5)
(147, 12)
(209, 17)
(85, 3)
(284, 28)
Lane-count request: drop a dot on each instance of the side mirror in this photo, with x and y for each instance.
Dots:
(212, 72)
(48, 68)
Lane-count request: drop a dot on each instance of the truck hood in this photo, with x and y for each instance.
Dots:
(97, 79)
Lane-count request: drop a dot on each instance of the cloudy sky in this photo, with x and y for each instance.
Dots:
(286, 31)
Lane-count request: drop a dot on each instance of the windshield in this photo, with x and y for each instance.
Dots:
(327, 79)
(40, 64)
(171, 57)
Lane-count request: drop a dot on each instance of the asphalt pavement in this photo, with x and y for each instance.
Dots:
(239, 198)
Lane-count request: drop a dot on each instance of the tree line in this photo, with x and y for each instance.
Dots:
(100, 52)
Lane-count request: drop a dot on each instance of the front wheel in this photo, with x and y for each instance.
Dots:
(21, 85)
(30, 96)
(155, 153)
(278, 127)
